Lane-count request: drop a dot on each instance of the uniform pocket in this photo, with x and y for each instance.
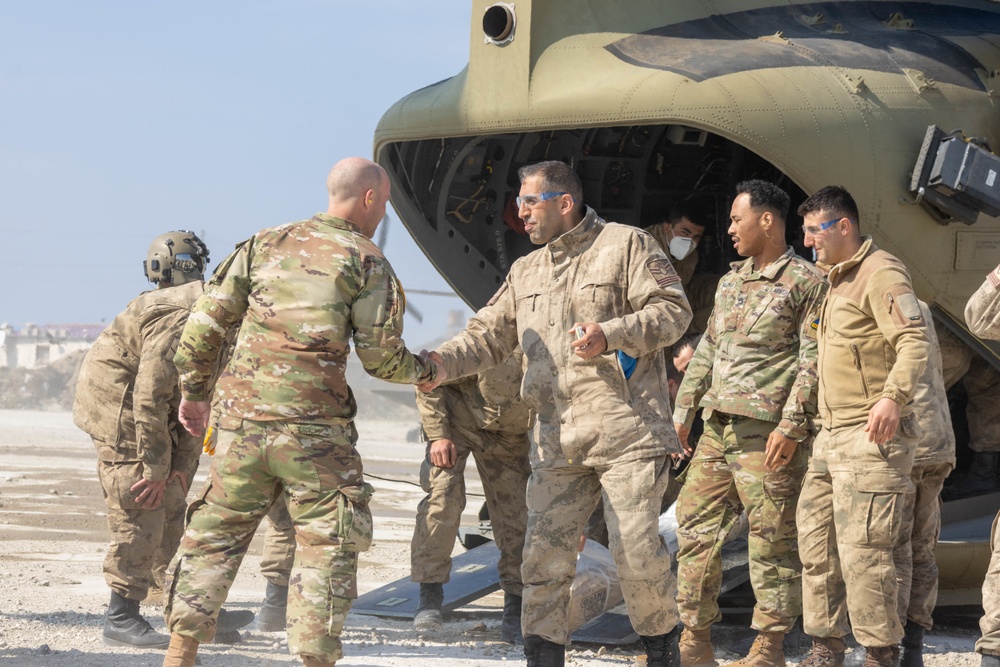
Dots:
(594, 302)
(356, 527)
(875, 507)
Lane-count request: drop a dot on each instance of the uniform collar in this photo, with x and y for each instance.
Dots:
(578, 238)
(770, 272)
(867, 248)
(339, 223)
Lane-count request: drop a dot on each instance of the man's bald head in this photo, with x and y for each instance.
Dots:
(359, 190)
(353, 176)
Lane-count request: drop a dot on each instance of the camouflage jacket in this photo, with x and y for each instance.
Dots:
(588, 412)
(936, 443)
(298, 292)
(758, 356)
(982, 313)
(872, 338)
(127, 393)
(490, 401)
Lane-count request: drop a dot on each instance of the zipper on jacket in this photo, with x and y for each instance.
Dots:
(892, 301)
(861, 371)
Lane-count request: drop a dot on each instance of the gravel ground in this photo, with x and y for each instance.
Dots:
(53, 596)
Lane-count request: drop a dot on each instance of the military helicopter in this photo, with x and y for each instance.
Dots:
(655, 102)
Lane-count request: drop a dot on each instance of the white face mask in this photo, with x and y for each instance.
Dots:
(681, 247)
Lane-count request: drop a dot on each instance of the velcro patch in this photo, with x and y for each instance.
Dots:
(663, 272)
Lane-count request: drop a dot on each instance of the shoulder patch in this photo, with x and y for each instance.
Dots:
(662, 272)
(815, 324)
(499, 293)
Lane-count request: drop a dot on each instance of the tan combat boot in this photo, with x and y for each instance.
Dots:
(313, 661)
(880, 656)
(825, 652)
(696, 648)
(181, 652)
(767, 651)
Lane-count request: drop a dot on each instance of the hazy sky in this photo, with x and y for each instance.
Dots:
(120, 120)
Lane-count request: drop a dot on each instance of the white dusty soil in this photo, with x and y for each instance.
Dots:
(53, 596)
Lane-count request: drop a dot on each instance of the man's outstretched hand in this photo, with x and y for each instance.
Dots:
(441, 374)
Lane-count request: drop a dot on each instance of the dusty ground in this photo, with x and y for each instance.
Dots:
(53, 596)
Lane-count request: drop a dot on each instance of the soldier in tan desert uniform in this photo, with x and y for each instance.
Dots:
(982, 314)
(873, 348)
(126, 399)
(485, 416)
(591, 309)
(916, 566)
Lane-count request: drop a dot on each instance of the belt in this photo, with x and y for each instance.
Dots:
(725, 418)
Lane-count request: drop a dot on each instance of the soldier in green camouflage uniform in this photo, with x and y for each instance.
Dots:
(485, 416)
(916, 566)
(602, 432)
(754, 372)
(126, 400)
(982, 314)
(299, 292)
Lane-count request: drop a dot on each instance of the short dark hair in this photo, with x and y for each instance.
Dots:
(766, 196)
(557, 177)
(694, 211)
(687, 340)
(835, 200)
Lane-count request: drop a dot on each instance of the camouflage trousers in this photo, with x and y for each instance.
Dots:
(142, 540)
(989, 624)
(321, 474)
(502, 462)
(850, 517)
(916, 566)
(726, 476)
(560, 500)
(279, 545)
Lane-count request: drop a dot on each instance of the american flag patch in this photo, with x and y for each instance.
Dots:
(663, 272)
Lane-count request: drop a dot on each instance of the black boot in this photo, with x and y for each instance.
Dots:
(429, 610)
(913, 646)
(125, 626)
(510, 630)
(662, 650)
(980, 478)
(543, 653)
(272, 614)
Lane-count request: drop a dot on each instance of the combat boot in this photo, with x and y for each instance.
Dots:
(429, 610)
(880, 656)
(990, 660)
(125, 626)
(696, 648)
(313, 661)
(767, 651)
(273, 612)
(543, 653)
(662, 650)
(979, 478)
(182, 652)
(913, 646)
(825, 652)
(510, 628)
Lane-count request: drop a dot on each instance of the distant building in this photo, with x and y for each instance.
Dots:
(35, 346)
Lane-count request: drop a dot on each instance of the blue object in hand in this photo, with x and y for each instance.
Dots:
(627, 362)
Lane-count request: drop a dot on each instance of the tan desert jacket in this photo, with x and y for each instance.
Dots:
(872, 338)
